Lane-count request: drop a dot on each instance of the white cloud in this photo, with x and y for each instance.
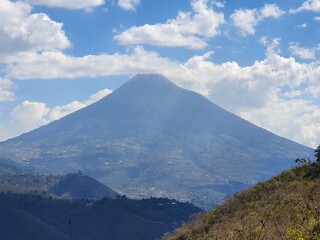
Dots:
(31, 115)
(6, 130)
(296, 119)
(313, 90)
(309, 5)
(303, 25)
(271, 47)
(270, 11)
(5, 90)
(317, 18)
(61, 111)
(311, 132)
(98, 95)
(247, 19)
(50, 65)
(70, 4)
(293, 93)
(22, 31)
(188, 29)
(218, 4)
(129, 5)
(303, 53)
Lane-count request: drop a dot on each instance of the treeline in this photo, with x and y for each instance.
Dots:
(27, 216)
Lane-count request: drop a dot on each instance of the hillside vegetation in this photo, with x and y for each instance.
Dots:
(285, 207)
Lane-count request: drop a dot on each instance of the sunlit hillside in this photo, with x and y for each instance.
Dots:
(285, 207)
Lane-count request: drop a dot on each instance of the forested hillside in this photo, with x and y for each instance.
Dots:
(34, 217)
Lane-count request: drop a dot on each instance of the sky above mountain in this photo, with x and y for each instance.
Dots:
(257, 59)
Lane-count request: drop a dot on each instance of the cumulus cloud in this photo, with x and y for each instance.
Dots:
(70, 4)
(272, 47)
(317, 18)
(301, 52)
(296, 119)
(7, 131)
(270, 11)
(31, 115)
(22, 31)
(247, 19)
(303, 25)
(5, 90)
(240, 88)
(313, 90)
(292, 93)
(61, 111)
(129, 5)
(218, 4)
(309, 5)
(188, 29)
(311, 132)
(50, 65)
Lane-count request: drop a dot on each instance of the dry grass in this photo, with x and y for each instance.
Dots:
(285, 207)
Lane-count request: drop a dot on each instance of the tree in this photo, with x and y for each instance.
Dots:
(317, 154)
(303, 162)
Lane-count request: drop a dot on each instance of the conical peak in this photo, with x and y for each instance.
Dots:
(146, 85)
(148, 80)
(150, 77)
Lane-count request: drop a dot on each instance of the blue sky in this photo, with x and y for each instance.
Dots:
(257, 59)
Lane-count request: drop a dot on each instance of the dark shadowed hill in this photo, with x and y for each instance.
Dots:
(16, 224)
(285, 207)
(69, 186)
(34, 217)
(150, 137)
(80, 186)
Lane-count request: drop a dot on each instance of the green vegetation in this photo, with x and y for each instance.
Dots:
(317, 153)
(285, 207)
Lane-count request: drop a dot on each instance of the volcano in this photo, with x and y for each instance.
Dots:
(152, 138)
